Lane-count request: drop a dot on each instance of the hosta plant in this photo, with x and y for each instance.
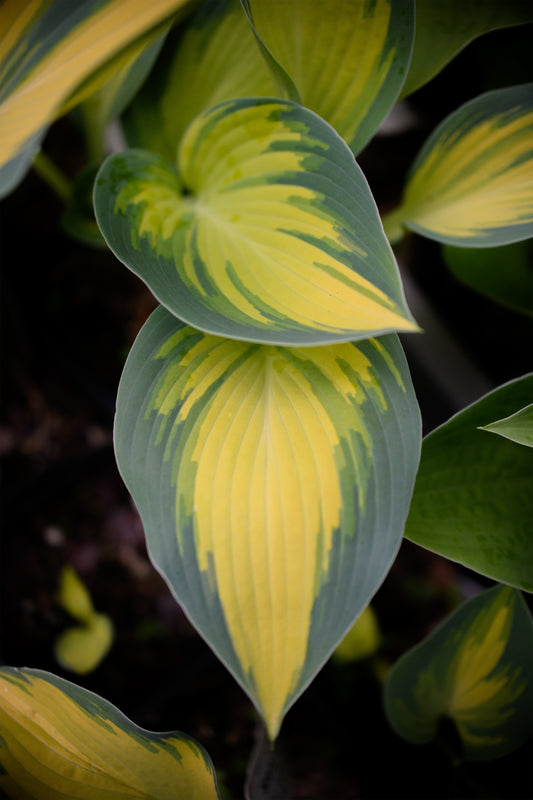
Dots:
(266, 423)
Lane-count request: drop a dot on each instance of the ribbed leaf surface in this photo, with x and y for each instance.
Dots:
(472, 183)
(268, 232)
(347, 62)
(475, 669)
(273, 484)
(60, 741)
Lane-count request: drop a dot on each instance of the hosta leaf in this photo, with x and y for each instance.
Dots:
(273, 485)
(443, 28)
(504, 274)
(267, 233)
(517, 427)
(475, 669)
(362, 640)
(50, 48)
(202, 65)
(59, 740)
(472, 500)
(471, 184)
(347, 64)
(74, 596)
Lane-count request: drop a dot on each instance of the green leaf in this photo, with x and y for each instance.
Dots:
(504, 274)
(475, 669)
(267, 233)
(347, 64)
(517, 427)
(202, 66)
(59, 740)
(472, 501)
(273, 484)
(471, 182)
(78, 219)
(443, 28)
(50, 48)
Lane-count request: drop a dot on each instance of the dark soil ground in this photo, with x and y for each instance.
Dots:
(69, 315)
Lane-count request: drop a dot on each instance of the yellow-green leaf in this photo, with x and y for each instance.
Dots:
(475, 669)
(201, 66)
(74, 596)
(48, 48)
(60, 741)
(517, 427)
(362, 640)
(472, 183)
(268, 231)
(81, 648)
(273, 484)
(346, 62)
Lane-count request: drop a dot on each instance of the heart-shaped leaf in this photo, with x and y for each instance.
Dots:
(59, 740)
(473, 501)
(471, 182)
(348, 63)
(273, 484)
(475, 669)
(268, 232)
(201, 66)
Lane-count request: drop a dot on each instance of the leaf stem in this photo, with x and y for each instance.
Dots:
(52, 175)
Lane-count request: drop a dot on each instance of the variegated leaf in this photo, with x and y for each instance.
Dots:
(48, 48)
(475, 669)
(273, 484)
(268, 231)
(348, 63)
(61, 741)
(201, 66)
(472, 183)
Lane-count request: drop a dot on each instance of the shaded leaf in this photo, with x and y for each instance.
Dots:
(273, 485)
(471, 183)
(362, 640)
(347, 65)
(504, 274)
(59, 740)
(517, 427)
(443, 28)
(475, 669)
(201, 66)
(472, 501)
(268, 233)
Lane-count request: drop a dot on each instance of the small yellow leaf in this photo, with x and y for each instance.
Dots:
(82, 647)
(362, 640)
(73, 595)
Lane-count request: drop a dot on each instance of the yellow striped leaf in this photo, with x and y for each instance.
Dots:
(47, 49)
(475, 670)
(268, 231)
(472, 183)
(201, 66)
(61, 741)
(346, 62)
(273, 484)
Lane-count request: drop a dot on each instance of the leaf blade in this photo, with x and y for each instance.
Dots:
(258, 458)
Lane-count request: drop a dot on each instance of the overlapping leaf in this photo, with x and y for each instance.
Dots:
(443, 28)
(48, 50)
(214, 58)
(59, 740)
(473, 501)
(273, 485)
(348, 63)
(471, 184)
(517, 427)
(268, 232)
(475, 669)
